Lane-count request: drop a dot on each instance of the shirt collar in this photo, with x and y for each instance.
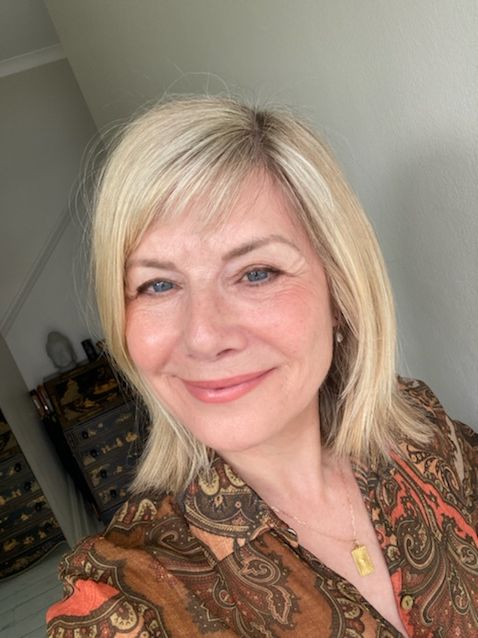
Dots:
(225, 513)
(222, 503)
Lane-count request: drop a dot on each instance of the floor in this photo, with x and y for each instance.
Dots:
(25, 598)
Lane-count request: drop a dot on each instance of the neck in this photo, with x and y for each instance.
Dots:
(283, 470)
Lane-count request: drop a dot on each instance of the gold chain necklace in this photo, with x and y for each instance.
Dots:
(360, 554)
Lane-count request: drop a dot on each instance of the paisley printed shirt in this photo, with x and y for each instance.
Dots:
(218, 561)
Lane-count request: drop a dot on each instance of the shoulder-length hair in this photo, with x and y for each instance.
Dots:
(186, 148)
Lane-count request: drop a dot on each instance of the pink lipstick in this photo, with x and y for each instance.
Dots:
(224, 390)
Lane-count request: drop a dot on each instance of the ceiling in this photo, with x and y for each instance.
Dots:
(25, 26)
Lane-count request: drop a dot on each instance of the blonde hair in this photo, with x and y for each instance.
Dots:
(184, 148)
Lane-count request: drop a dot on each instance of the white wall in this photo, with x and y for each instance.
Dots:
(392, 86)
(46, 128)
(24, 26)
(57, 301)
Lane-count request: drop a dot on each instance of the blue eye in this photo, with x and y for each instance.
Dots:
(161, 286)
(257, 275)
(156, 286)
(260, 275)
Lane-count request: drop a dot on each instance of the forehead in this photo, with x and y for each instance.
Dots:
(261, 208)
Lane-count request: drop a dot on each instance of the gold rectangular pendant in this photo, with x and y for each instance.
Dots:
(362, 560)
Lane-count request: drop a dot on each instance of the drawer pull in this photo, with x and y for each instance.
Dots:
(94, 453)
(84, 434)
(38, 507)
(17, 467)
(103, 474)
(113, 493)
(27, 486)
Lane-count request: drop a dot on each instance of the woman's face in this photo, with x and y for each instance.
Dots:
(232, 325)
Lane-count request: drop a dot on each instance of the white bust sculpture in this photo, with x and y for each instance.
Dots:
(60, 351)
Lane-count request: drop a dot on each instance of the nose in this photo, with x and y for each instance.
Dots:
(211, 326)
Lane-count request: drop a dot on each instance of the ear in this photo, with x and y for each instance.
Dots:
(337, 319)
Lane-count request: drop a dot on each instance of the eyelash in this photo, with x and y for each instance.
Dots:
(147, 287)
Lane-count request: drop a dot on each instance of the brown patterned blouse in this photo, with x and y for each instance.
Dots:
(219, 562)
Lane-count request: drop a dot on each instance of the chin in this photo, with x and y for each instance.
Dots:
(236, 434)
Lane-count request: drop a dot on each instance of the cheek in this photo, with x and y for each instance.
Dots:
(297, 319)
(148, 344)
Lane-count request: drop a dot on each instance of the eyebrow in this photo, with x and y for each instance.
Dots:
(249, 246)
(150, 263)
(240, 250)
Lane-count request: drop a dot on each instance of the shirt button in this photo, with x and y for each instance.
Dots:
(406, 602)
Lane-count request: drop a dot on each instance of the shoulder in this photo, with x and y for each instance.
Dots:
(140, 512)
(427, 503)
(100, 556)
(443, 427)
(449, 460)
(113, 576)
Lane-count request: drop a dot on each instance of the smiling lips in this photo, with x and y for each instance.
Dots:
(224, 390)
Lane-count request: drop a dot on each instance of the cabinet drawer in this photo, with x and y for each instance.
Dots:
(120, 469)
(24, 513)
(109, 496)
(25, 541)
(112, 422)
(121, 445)
(18, 490)
(13, 468)
(8, 443)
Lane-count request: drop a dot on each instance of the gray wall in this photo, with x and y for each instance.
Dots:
(46, 128)
(393, 88)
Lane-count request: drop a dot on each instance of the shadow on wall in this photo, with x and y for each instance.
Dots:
(435, 197)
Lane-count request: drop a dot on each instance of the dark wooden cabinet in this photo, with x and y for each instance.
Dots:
(28, 527)
(103, 430)
(106, 449)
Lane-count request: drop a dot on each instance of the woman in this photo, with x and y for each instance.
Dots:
(291, 486)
